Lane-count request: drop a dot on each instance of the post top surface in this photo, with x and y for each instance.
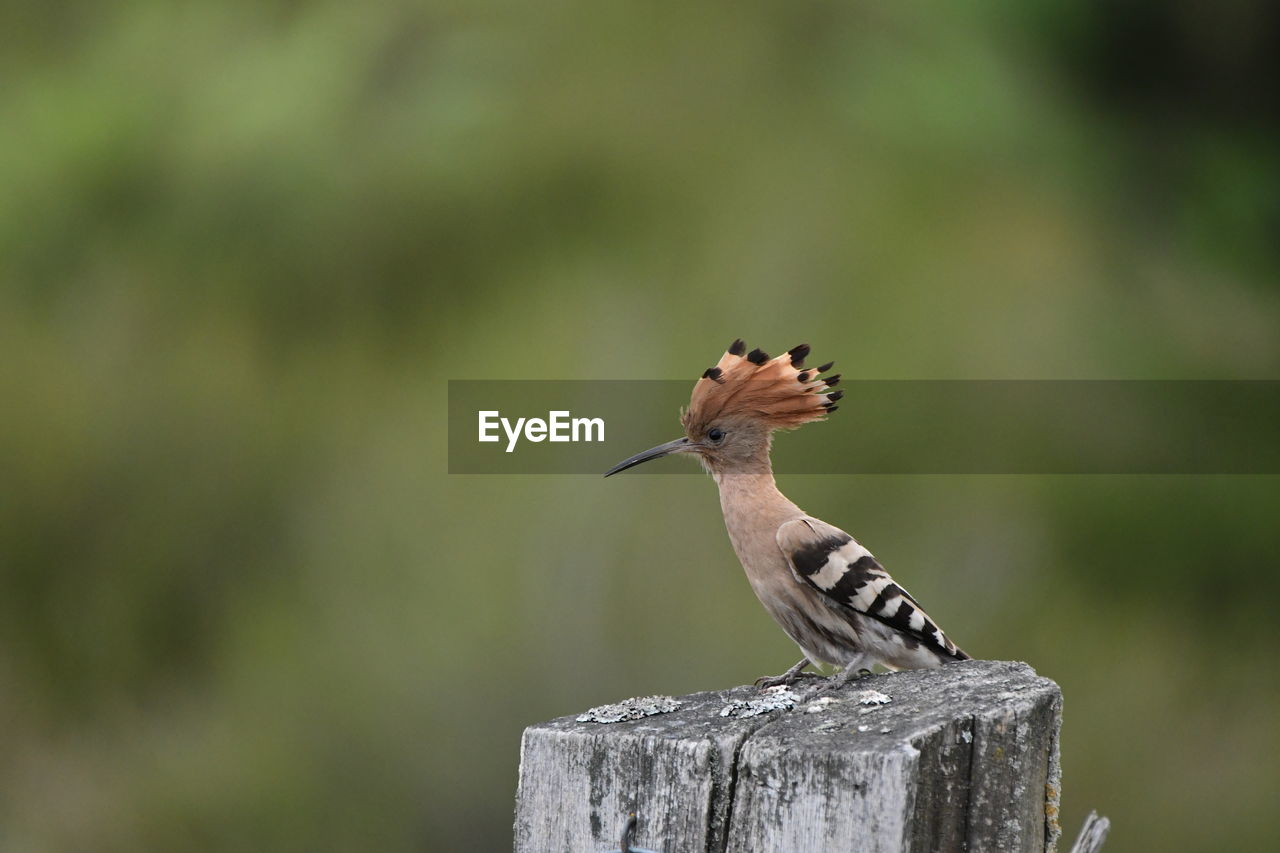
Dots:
(905, 703)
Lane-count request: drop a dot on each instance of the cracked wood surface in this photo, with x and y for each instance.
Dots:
(961, 758)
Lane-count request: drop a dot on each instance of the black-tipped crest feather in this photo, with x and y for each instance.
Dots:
(773, 391)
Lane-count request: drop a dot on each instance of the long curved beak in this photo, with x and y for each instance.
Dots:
(680, 445)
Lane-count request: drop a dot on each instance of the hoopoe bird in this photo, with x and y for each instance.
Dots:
(825, 589)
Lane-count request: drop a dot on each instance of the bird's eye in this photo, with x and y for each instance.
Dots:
(715, 434)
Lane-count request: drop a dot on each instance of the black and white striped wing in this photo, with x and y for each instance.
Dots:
(833, 563)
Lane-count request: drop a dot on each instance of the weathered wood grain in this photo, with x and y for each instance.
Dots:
(579, 780)
(961, 758)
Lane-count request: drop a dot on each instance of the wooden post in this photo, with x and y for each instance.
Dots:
(959, 758)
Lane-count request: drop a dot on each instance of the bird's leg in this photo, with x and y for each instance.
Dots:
(851, 673)
(787, 678)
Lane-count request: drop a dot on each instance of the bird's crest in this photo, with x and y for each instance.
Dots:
(779, 392)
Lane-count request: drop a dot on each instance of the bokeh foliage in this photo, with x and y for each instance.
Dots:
(243, 245)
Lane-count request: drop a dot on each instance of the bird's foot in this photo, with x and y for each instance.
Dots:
(840, 680)
(850, 674)
(767, 681)
(787, 678)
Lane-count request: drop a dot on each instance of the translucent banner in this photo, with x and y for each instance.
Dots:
(886, 427)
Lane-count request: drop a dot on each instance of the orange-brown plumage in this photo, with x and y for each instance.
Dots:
(777, 392)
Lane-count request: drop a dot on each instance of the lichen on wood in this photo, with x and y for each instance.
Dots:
(964, 757)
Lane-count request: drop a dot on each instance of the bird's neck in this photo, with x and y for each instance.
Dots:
(751, 502)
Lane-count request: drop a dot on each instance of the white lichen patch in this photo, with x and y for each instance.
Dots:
(770, 699)
(817, 706)
(966, 736)
(630, 709)
(873, 697)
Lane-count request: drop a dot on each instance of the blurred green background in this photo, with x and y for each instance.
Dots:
(244, 245)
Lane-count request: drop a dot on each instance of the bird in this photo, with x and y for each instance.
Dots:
(823, 588)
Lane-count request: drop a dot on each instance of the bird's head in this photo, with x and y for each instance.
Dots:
(737, 405)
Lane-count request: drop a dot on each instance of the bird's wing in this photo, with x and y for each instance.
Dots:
(832, 562)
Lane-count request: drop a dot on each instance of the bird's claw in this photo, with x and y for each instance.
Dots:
(784, 680)
(849, 675)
